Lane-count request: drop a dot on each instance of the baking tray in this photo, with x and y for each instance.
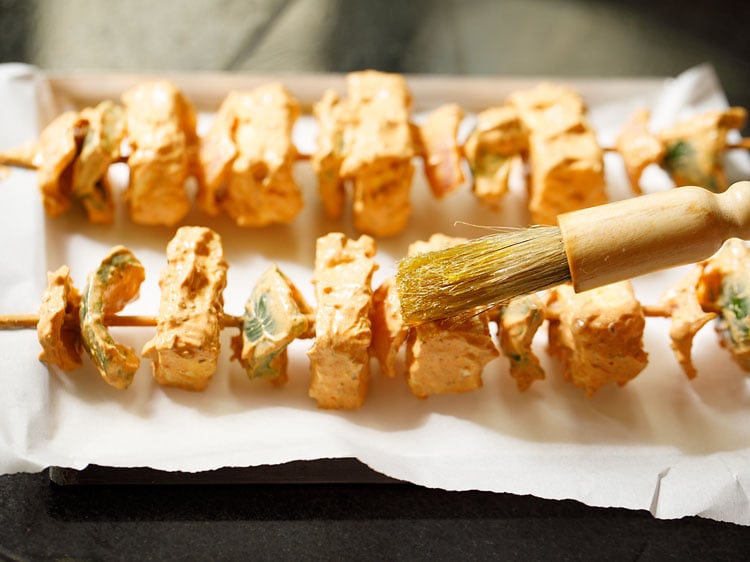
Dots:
(544, 442)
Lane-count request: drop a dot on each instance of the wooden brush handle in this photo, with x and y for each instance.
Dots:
(620, 240)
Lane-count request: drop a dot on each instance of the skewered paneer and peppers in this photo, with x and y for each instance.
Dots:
(73, 156)
(597, 334)
(244, 164)
(718, 287)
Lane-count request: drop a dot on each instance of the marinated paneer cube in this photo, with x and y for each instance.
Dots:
(566, 161)
(185, 350)
(339, 357)
(597, 335)
(366, 139)
(160, 129)
(567, 175)
(695, 147)
(549, 110)
(248, 157)
(448, 355)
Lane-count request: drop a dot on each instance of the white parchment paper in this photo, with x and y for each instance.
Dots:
(660, 443)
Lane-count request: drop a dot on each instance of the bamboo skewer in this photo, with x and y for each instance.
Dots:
(25, 321)
(15, 161)
(29, 321)
(742, 144)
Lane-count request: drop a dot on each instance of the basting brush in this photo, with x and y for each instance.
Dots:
(591, 247)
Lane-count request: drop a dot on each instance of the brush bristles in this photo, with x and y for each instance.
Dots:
(480, 274)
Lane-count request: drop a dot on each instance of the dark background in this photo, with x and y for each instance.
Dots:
(152, 520)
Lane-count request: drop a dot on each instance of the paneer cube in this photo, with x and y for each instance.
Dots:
(597, 334)
(339, 357)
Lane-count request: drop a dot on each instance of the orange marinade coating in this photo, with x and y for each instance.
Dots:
(248, 158)
(567, 163)
(687, 316)
(160, 128)
(597, 334)
(57, 148)
(58, 328)
(185, 350)
(447, 355)
(366, 139)
(339, 357)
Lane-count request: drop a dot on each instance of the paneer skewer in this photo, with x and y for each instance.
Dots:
(244, 164)
(597, 334)
(72, 157)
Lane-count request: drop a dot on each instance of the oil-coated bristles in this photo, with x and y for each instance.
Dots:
(480, 274)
